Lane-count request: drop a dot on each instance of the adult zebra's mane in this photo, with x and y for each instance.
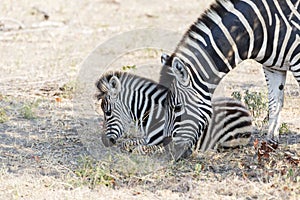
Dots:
(214, 7)
(166, 76)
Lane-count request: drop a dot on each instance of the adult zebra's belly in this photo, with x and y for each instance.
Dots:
(280, 68)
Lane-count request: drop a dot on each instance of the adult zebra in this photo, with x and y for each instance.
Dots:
(229, 32)
(127, 98)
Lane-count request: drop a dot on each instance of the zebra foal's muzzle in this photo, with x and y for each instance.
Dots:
(108, 141)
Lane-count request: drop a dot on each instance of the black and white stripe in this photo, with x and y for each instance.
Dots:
(226, 34)
(142, 101)
(128, 99)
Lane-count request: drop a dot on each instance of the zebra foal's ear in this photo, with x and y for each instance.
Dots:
(164, 59)
(179, 70)
(114, 86)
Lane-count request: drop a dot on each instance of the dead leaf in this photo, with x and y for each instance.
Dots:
(245, 176)
(292, 158)
(36, 158)
(255, 143)
(58, 99)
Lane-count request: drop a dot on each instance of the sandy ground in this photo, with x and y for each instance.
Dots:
(46, 143)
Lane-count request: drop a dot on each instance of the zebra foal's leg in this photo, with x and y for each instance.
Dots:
(149, 149)
(130, 144)
(275, 81)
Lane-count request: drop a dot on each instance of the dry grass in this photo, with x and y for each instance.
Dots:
(43, 153)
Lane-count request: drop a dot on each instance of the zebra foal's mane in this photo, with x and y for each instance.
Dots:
(103, 82)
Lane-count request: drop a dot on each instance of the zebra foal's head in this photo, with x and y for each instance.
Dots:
(187, 107)
(109, 88)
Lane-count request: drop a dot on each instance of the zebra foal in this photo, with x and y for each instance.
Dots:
(127, 98)
(231, 31)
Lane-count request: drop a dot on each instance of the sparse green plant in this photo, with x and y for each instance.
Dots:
(153, 53)
(283, 128)
(68, 89)
(28, 110)
(237, 95)
(94, 173)
(257, 104)
(198, 168)
(128, 67)
(3, 115)
(290, 172)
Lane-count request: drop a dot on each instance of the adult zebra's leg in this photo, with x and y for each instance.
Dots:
(275, 81)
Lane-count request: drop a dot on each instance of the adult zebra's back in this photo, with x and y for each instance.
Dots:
(231, 31)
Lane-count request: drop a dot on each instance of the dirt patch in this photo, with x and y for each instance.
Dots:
(45, 155)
